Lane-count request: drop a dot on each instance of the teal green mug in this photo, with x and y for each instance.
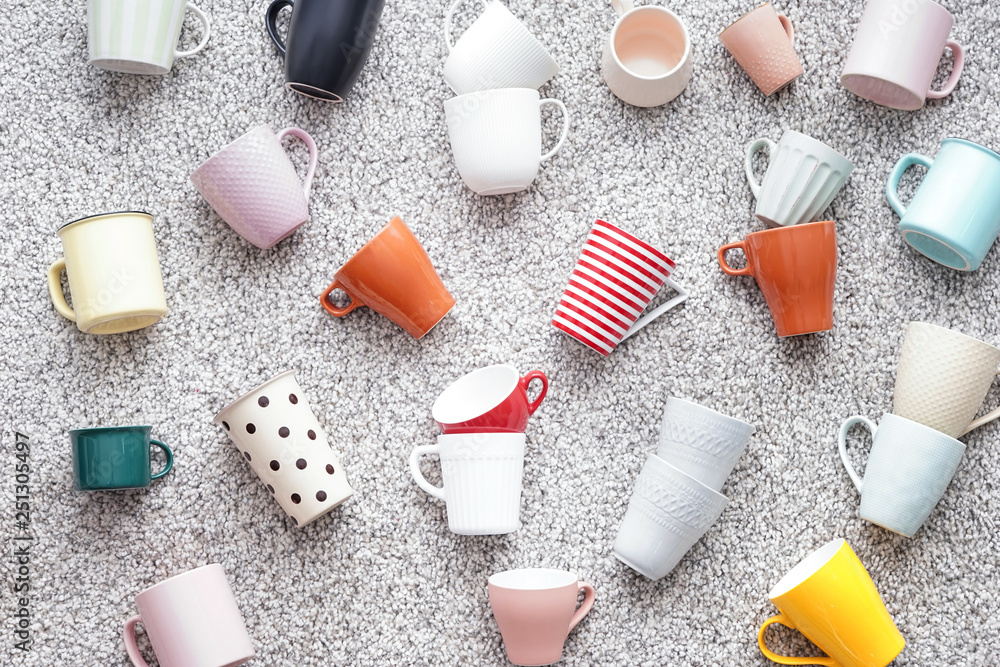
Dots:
(115, 458)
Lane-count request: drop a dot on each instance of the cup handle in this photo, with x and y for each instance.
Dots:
(842, 445)
(622, 6)
(418, 477)
(204, 38)
(892, 185)
(739, 245)
(332, 309)
(589, 595)
(313, 154)
(271, 21)
(956, 71)
(131, 647)
(682, 296)
(170, 458)
(752, 149)
(784, 659)
(56, 292)
(985, 419)
(526, 380)
(786, 23)
(447, 21)
(565, 130)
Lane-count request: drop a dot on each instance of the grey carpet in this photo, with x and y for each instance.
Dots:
(382, 581)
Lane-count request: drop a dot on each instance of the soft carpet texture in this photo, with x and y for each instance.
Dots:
(382, 581)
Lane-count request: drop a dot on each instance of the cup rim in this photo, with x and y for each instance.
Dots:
(792, 228)
(500, 579)
(755, 9)
(967, 337)
(806, 568)
(685, 57)
(218, 417)
(103, 215)
(492, 92)
(77, 431)
(456, 386)
(178, 576)
(227, 147)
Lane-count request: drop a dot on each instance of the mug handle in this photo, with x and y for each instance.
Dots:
(526, 380)
(589, 595)
(56, 292)
(622, 6)
(332, 309)
(784, 659)
(204, 39)
(418, 477)
(565, 130)
(956, 71)
(985, 419)
(786, 23)
(271, 21)
(170, 458)
(131, 647)
(682, 296)
(842, 445)
(752, 149)
(447, 20)
(739, 245)
(313, 154)
(892, 185)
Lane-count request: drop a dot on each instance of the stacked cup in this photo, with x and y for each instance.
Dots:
(676, 497)
(482, 417)
(494, 123)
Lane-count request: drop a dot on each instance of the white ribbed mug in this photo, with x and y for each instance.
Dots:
(496, 138)
(481, 475)
(497, 51)
(802, 178)
(139, 36)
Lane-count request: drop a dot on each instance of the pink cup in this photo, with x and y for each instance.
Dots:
(896, 53)
(761, 42)
(493, 399)
(536, 610)
(192, 621)
(253, 186)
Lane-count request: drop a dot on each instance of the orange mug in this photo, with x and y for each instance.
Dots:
(795, 267)
(393, 276)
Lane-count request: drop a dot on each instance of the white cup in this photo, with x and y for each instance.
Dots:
(496, 137)
(481, 475)
(497, 51)
(647, 58)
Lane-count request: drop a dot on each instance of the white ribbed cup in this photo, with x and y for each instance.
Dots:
(497, 51)
(481, 473)
(496, 138)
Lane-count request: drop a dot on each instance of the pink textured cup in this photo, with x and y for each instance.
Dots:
(536, 610)
(761, 42)
(192, 621)
(253, 186)
(896, 53)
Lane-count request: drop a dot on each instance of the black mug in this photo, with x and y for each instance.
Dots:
(328, 43)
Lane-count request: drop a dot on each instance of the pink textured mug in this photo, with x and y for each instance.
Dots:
(536, 610)
(896, 53)
(192, 621)
(761, 42)
(253, 186)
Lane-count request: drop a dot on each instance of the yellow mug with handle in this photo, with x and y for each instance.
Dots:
(113, 272)
(830, 598)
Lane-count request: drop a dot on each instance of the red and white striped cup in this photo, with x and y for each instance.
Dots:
(615, 278)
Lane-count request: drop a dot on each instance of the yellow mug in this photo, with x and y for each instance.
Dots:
(113, 273)
(830, 598)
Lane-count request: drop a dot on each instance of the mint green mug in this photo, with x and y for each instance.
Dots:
(115, 458)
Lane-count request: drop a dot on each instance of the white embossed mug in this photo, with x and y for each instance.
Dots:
(702, 442)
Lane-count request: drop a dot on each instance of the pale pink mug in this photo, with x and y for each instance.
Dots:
(536, 608)
(253, 186)
(192, 621)
(761, 42)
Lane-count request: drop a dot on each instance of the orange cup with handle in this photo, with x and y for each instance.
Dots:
(796, 268)
(393, 276)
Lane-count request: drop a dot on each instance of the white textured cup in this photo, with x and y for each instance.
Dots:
(701, 442)
(496, 138)
(497, 51)
(481, 475)
(669, 511)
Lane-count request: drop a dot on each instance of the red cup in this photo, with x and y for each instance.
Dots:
(493, 399)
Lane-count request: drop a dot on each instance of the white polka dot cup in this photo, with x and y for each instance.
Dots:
(482, 475)
(277, 433)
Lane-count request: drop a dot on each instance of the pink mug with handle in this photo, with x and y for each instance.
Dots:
(253, 186)
(761, 42)
(536, 610)
(493, 399)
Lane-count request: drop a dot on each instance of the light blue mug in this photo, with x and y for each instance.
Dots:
(954, 217)
(907, 473)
